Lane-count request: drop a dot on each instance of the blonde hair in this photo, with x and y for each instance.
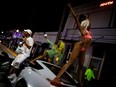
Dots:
(85, 23)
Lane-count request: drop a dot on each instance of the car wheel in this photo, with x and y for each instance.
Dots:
(21, 83)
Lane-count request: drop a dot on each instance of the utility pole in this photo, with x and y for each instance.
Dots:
(62, 23)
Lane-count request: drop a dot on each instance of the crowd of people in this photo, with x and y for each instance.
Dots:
(24, 48)
(56, 52)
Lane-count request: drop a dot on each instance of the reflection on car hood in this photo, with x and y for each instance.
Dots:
(33, 78)
(38, 76)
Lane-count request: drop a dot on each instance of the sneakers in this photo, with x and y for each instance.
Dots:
(14, 80)
(12, 76)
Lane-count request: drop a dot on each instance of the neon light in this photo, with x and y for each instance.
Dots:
(106, 3)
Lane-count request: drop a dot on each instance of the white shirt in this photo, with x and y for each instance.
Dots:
(30, 42)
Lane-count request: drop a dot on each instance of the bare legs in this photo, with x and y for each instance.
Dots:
(81, 59)
(40, 57)
(75, 53)
(73, 56)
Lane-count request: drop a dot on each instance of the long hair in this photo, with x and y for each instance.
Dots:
(84, 21)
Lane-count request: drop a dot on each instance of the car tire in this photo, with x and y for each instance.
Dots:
(21, 83)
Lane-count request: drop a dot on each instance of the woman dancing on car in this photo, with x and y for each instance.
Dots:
(79, 49)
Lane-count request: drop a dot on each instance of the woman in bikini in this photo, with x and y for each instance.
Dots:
(79, 49)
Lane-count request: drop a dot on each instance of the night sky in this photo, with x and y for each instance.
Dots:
(41, 15)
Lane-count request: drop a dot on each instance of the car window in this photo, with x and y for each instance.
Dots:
(36, 66)
(64, 78)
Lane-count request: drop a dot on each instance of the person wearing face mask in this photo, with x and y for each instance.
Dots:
(79, 48)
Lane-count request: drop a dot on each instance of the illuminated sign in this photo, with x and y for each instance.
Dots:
(106, 3)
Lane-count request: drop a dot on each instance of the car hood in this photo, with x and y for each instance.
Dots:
(35, 78)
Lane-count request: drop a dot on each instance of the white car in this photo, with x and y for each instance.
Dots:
(38, 75)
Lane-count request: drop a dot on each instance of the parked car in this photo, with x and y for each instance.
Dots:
(38, 75)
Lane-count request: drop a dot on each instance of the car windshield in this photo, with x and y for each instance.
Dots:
(36, 66)
(66, 78)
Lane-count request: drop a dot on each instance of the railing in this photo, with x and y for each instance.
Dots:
(107, 35)
(7, 50)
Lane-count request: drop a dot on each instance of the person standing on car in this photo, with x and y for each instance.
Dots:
(79, 48)
(28, 43)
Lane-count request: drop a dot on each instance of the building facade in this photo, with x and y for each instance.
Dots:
(101, 53)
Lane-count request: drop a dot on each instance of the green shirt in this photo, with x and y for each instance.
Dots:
(61, 47)
(89, 74)
(56, 51)
(53, 50)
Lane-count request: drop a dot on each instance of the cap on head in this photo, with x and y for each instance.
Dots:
(28, 31)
